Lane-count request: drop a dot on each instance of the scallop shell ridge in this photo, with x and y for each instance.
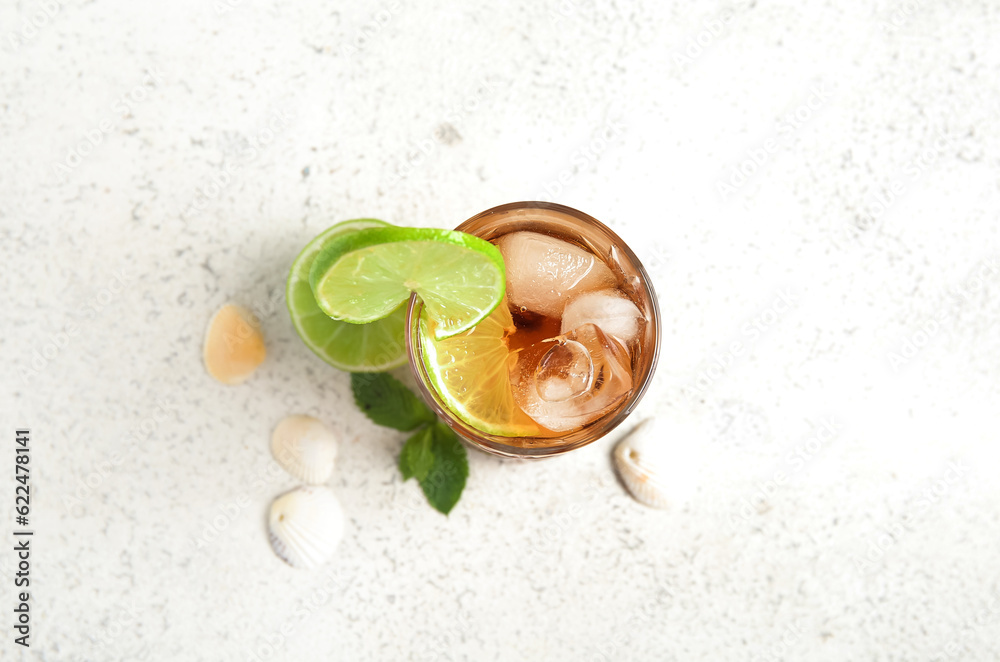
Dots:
(639, 469)
(305, 447)
(305, 526)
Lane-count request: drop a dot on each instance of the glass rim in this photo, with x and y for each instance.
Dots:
(495, 444)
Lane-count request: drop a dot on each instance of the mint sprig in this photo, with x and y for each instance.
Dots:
(417, 457)
(386, 401)
(433, 455)
(446, 479)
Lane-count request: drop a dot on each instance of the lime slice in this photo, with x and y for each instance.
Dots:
(469, 372)
(363, 276)
(352, 347)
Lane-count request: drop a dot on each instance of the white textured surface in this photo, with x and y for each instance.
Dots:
(539, 561)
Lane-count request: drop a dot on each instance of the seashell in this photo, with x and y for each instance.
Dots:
(234, 346)
(642, 465)
(305, 526)
(305, 447)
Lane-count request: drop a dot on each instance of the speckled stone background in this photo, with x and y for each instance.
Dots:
(819, 184)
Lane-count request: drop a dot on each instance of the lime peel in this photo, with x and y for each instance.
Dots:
(352, 347)
(363, 276)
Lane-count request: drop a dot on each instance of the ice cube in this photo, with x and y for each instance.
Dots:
(566, 382)
(611, 310)
(564, 372)
(543, 271)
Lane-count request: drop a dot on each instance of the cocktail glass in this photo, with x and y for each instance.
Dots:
(631, 280)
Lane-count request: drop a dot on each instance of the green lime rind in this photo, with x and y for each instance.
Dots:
(371, 347)
(365, 275)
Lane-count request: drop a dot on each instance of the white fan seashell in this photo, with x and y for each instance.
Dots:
(305, 526)
(662, 460)
(639, 466)
(305, 447)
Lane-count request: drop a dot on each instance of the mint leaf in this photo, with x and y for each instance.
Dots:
(385, 400)
(433, 455)
(445, 481)
(417, 457)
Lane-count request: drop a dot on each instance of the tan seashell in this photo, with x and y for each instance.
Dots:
(641, 465)
(305, 447)
(234, 346)
(305, 526)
